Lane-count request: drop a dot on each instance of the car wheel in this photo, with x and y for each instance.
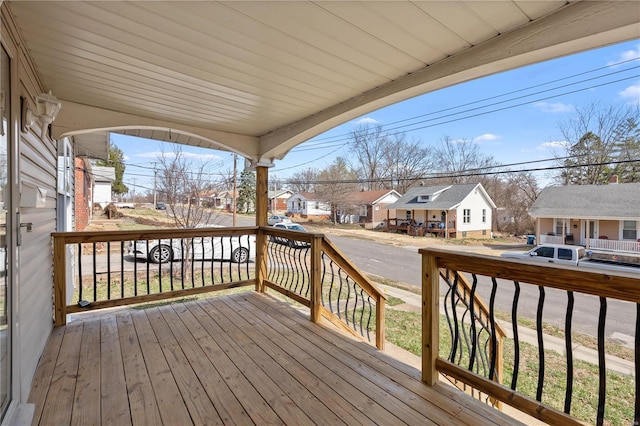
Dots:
(161, 254)
(240, 255)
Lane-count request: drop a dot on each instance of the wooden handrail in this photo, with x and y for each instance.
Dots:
(622, 286)
(149, 234)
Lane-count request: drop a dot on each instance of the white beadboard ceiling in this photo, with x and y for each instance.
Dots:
(260, 77)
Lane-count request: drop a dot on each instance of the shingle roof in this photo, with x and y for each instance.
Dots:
(614, 201)
(450, 196)
(368, 197)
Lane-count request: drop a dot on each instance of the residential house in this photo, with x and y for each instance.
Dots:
(308, 205)
(278, 200)
(161, 82)
(458, 211)
(102, 177)
(224, 200)
(370, 206)
(603, 217)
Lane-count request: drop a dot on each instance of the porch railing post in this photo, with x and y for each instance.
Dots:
(316, 279)
(60, 281)
(430, 318)
(262, 199)
(380, 326)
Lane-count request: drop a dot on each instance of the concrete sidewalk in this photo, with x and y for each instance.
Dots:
(413, 302)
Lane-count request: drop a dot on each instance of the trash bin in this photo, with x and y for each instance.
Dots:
(531, 239)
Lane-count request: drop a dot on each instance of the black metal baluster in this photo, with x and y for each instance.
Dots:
(121, 269)
(222, 280)
(472, 298)
(148, 263)
(602, 367)
(79, 272)
(540, 344)
(324, 271)
(516, 339)
(307, 274)
(362, 311)
(202, 261)
(213, 256)
(171, 266)
(449, 294)
(568, 348)
(108, 270)
(192, 262)
(160, 272)
(182, 247)
(454, 315)
(135, 269)
(355, 303)
(247, 263)
(346, 302)
(492, 323)
(95, 275)
(230, 255)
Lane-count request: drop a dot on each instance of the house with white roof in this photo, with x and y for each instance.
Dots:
(450, 211)
(603, 217)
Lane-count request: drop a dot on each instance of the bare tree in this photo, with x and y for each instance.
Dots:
(369, 146)
(332, 189)
(461, 161)
(520, 190)
(304, 180)
(596, 137)
(405, 162)
(184, 183)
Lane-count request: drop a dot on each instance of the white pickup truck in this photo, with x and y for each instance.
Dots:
(569, 255)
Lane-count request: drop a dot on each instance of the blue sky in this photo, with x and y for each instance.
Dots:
(511, 130)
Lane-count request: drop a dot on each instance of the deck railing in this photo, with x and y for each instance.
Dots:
(499, 276)
(615, 245)
(95, 270)
(311, 270)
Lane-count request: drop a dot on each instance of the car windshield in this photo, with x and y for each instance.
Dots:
(296, 227)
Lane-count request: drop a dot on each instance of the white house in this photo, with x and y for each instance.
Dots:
(308, 205)
(459, 211)
(103, 177)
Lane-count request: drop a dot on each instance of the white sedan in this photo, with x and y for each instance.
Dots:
(238, 249)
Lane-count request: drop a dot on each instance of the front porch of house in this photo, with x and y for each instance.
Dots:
(618, 236)
(435, 223)
(246, 358)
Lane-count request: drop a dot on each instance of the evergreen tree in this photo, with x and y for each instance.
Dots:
(116, 160)
(247, 191)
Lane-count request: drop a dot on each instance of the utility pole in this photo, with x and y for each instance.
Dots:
(155, 179)
(235, 186)
(133, 196)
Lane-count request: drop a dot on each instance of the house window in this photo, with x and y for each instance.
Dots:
(561, 228)
(484, 215)
(464, 234)
(408, 216)
(484, 232)
(466, 216)
(629, 230)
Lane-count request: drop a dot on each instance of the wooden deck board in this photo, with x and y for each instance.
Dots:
(241, 359)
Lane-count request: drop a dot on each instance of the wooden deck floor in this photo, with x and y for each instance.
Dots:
(241, 359)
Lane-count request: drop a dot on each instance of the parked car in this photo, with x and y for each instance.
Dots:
(238, 249)
(292, 227)
(161, 206)
(562, 254)
(278, 219)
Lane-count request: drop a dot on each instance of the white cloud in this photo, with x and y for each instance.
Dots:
(125, 157)
(627, 55)
(553, 107)
(632, 93)
(367, 120)
(487, 137)
(553, 145)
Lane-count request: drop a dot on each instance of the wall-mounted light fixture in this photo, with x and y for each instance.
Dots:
(47, 108)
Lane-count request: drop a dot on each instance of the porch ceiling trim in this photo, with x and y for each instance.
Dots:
(77, 119)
